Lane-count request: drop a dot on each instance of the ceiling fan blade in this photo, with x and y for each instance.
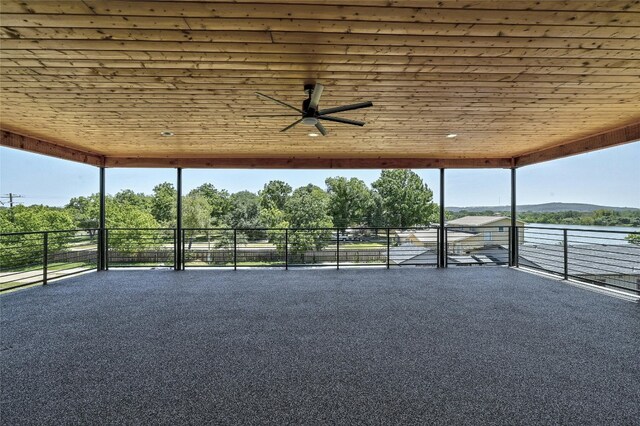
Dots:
(278, 102)
(341, 120)
(345, 108)
(290, 125)
(315, 96)
(272, 115)
(321, 129)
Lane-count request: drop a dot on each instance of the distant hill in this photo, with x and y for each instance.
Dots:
(544, 208)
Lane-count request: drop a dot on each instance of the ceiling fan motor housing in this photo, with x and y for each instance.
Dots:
(308, 89)
(311, 112)
(306, 110)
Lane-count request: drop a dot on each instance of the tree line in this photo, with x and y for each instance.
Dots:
(398, 198)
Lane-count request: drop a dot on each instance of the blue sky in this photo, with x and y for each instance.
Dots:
(607, 177)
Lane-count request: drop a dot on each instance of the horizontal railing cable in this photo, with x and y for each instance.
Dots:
(603, 257)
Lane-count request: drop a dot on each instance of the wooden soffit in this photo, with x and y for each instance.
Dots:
(519, 82)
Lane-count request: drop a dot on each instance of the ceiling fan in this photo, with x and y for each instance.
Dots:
(311, 113)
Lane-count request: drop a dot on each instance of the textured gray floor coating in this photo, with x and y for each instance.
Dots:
(412, 346)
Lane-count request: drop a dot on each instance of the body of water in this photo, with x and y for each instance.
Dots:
(577, 234)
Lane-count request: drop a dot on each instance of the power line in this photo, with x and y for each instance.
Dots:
(10, 196)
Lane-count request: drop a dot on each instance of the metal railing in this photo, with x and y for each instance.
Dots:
(477, 245)
(140, 247)
(600, 257)
(36, 257)
(286, 247)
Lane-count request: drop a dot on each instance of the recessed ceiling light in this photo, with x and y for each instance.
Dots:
(313, 135)
(166, 133)
(452, 135)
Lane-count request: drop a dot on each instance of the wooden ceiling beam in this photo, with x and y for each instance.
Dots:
(39, 146)
(618, 136)
(609, 138)
(309, 163)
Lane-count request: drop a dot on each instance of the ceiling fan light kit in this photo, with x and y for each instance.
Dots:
(310, 112)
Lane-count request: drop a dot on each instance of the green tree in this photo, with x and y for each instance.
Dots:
(217, 199)
(273, 199)
(39, 218)
(136, 222)
(126, 209)
(22, 250)
(85, 211)
(127, 196)
(406, 199)
(6, 223)
(308, 207)
(196, 213)
(274, 195)
(245, 210)
(349, 201)
(275, 233)
(374, 213)
(633, 238)
(163, 204)
(245, 213)
(272, 217)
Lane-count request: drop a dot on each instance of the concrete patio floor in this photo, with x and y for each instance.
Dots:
(475, 346)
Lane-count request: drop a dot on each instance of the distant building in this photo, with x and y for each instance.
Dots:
(429, 237)
(482, 231)
(465, 234)
(470, 240)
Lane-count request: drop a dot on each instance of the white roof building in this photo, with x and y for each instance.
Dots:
(481, 221)
(430, 236)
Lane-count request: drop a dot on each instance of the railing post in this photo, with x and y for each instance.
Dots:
(388, 248)
(176, 252)
(182, 241)
(337, 248)
(106, 249)
(45, 257)
(98, 250)
(516, 247)
(566, 253)
(286, 249)
(235, 250)
(509, 246)
(445, 244)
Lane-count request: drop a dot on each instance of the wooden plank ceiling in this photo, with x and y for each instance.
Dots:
(511, 79)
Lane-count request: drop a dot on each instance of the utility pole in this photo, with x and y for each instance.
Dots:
(11, 196)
